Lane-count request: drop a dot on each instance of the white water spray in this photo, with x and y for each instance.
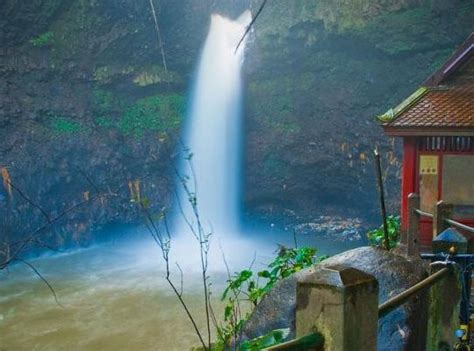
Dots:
(213, 133)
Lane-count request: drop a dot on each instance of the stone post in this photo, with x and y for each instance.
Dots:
(442, 211)
(341, 303)
(412, 239)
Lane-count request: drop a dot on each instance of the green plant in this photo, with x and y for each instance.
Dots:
(376, 236)
(61, 125)
(246, 286)
(159, 113)
(43, 39)
(273, 338)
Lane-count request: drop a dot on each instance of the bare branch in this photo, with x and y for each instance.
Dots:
(24, 196)
(249, 27)
(181, 279)
(198, 232)
(153, 229)
(32, 237)
(89, 180)
(42, 278)
(160, 42)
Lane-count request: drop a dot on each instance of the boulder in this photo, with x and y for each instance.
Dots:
(402, 329)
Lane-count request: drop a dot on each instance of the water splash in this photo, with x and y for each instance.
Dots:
(213, 133)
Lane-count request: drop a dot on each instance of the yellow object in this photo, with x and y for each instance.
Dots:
(428, 164)
(465, 328)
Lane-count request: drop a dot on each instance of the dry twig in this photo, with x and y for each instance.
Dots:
(249, 27)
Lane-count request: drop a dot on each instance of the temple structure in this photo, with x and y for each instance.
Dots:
(437, 126)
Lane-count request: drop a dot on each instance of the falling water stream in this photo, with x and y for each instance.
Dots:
(213, 132)
(113, 296)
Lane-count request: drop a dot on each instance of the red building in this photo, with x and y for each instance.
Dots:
(437, 126)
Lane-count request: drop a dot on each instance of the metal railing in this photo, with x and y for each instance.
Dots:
(442, 219)
(459, 225)
(423, 214)
(450, 221)
(398, 300)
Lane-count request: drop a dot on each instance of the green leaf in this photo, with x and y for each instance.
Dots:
(264, 274)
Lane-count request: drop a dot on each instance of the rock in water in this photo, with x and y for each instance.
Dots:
(401, 329)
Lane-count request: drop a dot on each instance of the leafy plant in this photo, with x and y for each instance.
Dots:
(246, 286)
(43, 39)
(61, 125)
(376, 236)
(159, 113)
(273, 338)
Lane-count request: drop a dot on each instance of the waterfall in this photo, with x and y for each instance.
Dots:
(213, 130)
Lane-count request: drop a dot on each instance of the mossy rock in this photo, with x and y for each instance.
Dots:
(158, 113)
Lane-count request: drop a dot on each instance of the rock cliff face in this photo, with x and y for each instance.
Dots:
(86, 105)
(318, 73)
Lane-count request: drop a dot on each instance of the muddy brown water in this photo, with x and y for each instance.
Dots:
(113, 297)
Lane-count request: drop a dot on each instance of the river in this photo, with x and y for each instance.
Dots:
(113, 296)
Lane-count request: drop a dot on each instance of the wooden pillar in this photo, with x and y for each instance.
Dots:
(412, 236)
(441, 211)
(408, 178)
(341, 303)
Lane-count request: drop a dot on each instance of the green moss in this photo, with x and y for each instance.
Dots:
(44, 39)
(159, 113)
(62, 125)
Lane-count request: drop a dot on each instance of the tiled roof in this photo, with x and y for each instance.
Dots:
(443, 105)
(446, 108)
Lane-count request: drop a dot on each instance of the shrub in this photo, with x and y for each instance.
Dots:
(376, 236)
(245, 286)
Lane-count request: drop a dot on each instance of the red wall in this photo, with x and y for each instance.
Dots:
(410, 184)
(408, 177)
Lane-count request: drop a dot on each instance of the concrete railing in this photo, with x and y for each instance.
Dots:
(337, 309)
